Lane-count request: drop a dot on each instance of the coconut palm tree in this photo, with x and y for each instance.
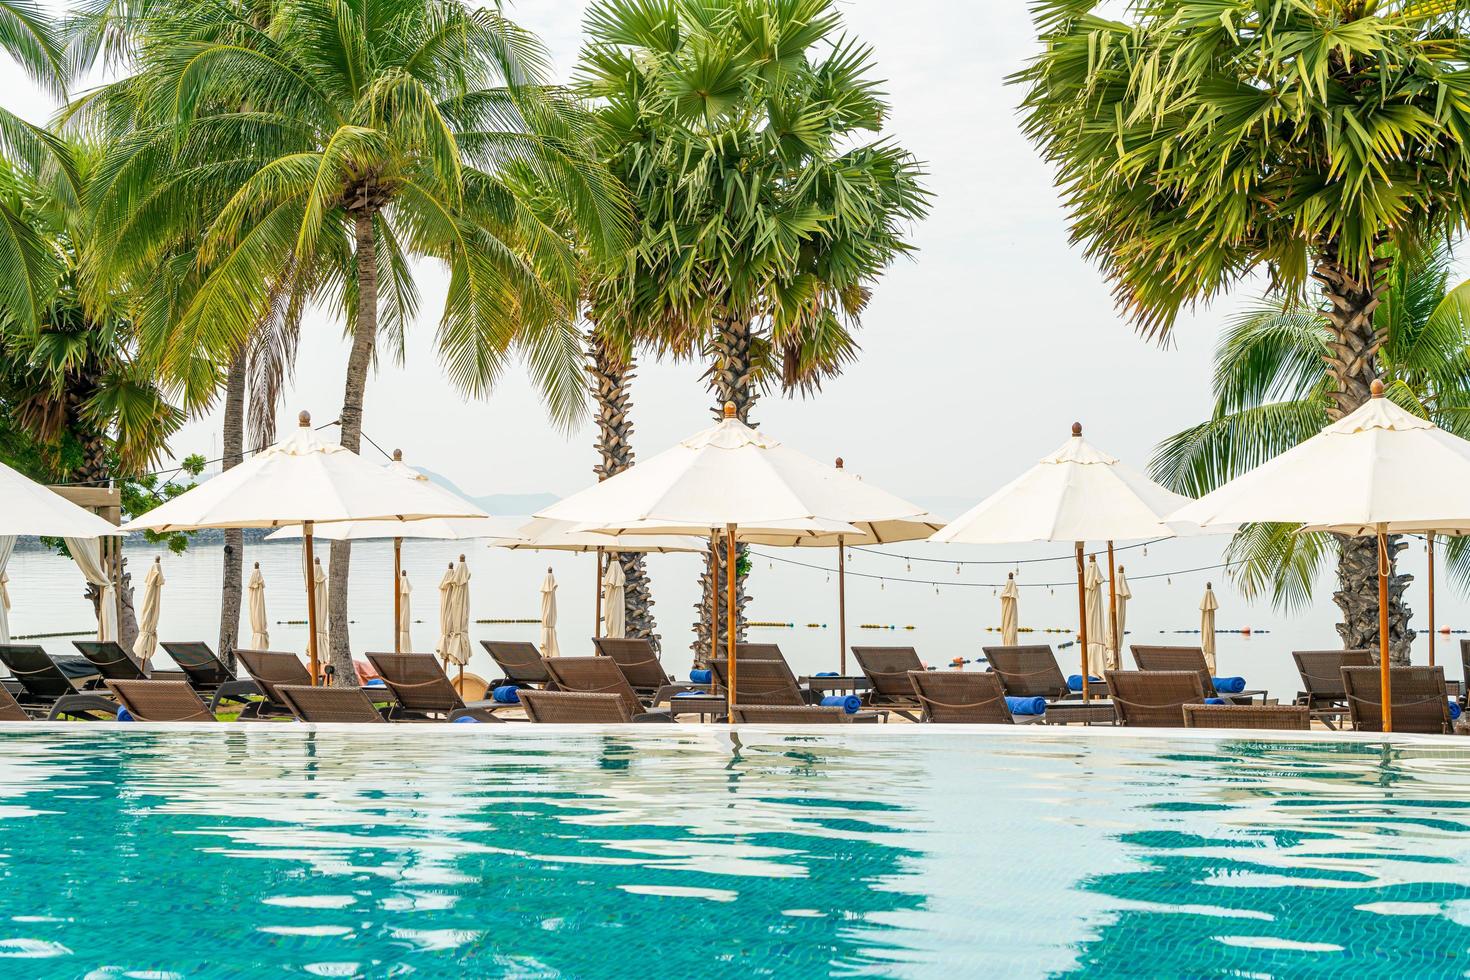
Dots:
(1273, 390)
(325, 149)
(1317, 142)
(768, 204)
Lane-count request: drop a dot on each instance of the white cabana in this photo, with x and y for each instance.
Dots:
(549, 645)
(1010, 620)
(614, 623)
(147, 641)
(1380, 470)
(260, 638)
(303, 481)
(1076, 494)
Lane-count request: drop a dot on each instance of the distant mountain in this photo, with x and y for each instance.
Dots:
(497, 504)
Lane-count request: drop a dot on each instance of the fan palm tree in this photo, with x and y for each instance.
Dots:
(1273, 390)
(768, 204)
(323, 149)
(1318, 142)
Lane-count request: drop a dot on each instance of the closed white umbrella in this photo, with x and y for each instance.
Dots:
(446, 615)
(405, 615)
(1097, 655)
(549, 646)
(1207, 606)
(614, 622)
(318, 625)
(1379, 471)
(1117, 628)
(303, 481)
(1077, 494)
(1010, 620)
(147, 640)
(260, 638)
(458, 648)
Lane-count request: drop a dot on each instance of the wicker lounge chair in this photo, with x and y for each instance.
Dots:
(208, 674)
(44, 690)
(600, 675)
(762, 682)
(330, 705)
(151, 700)
(1421, 703)
(1187, 658)
(1287, 717)
(790, 714)
(955, 697)
(759, 651)
(424, 691)
(10, 709)
(1154, 698)
(887, 670)
(575, 708)
(112, 662)
(1030, 671)
(642, 667)
(1321, 672)
(520, 662)
(269, 668)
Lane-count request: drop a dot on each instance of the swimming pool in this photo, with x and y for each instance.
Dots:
(130, 851)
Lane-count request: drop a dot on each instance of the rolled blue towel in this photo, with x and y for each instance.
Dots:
(467, 720)
(123, 714)
(1229, 685)
(1074, 682)
(825, 673)
(375, 682)
(506, 694)
(691, 694)
(1455, 710)
(847, 702)
(701, 677)
(1215, 701)
(1028, 706)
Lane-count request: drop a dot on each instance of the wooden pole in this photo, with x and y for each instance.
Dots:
(310, 603)
(1113, 610)
(597, 587)
(1431, 598)
(1082, 621)
(730, 572)
(714, 598)
(841, 607)
(1385, 684)
(397, 594)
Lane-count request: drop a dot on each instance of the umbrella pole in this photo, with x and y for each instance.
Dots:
(310, 603)
(1431, 598)
(397, 594)
(1113, 609)
(841, 607)
(730, 612)
(597, 587)
(1082, 621)
(714, 599)
(1385, 684)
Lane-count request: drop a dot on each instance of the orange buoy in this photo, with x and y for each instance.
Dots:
(1245, 631)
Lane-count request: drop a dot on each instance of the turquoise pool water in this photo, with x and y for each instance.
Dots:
(259, 851)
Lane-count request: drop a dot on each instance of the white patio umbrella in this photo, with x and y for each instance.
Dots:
(259, 626)
(549, 646)
(303, 481)
(1378, 471)
(317, 590)
(1207, 606)
(432, 528)
(1076, 494)
(1097, 648)
(1010, 620)
(614, 625)
(147, 640)
(405, 615)
(1117, 623)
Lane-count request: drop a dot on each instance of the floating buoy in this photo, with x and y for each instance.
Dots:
(1245, 631)
(1445, 630)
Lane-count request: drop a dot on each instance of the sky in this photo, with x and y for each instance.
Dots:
(977, 354)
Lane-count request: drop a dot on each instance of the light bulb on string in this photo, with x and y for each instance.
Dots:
(957, 568)
(908, 566)
(882, 585)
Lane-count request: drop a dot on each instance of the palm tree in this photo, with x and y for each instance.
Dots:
(1273, 391)
(324, 148)
(1319, 142)
(746, 132)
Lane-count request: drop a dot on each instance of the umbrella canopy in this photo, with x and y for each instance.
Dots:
(549, 646)
(31, 508)
(1010, 621)
(1207, 606)
(540, 534)
(614, 623)
(259, 626)
(1117, 628)
(405, 615)
(1096, 644)
(319, 597)
(458, 647)
(147, 641)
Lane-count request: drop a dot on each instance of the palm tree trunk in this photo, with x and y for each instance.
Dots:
(730, 380)
(231, 591)
(1352, 364)
(611, 376)
(95, 472)
(364, 337)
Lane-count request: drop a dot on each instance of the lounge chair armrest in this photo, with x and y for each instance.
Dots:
(669, 690)
(657, 717)
(477, 712)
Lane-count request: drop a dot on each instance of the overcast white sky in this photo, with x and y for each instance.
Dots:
(977, 355)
